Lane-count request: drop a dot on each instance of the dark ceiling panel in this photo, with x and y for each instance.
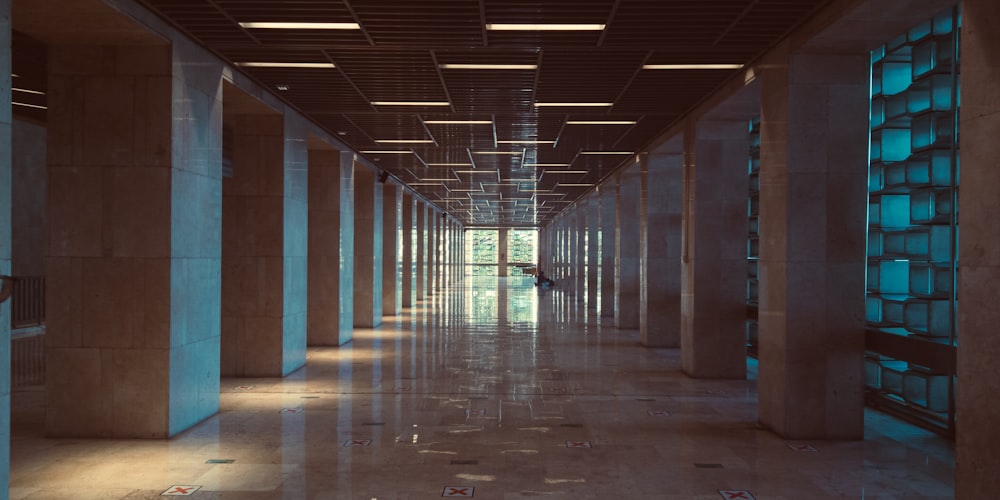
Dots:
(402, 51)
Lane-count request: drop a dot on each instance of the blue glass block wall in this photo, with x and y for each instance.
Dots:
(753, 234)
(912, 218)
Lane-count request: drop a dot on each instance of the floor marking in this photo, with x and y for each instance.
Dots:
(802, 447)
(180, 490)
(220, 461)
(736, 494)
(578, 444)
(290, 410)
(357, 442)
(658, 413)
(458, 491)
(244, 387)
(476, 412)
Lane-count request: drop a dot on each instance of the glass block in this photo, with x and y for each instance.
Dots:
(753, 269)
(894, 144)
(929, 168)
(877, 56)
(875, 211)
(754, 164)
(877, 118)
(896, 77)
(872, 275)
(892, 377)
(895, 174)
(753, 247)
(931, 243)
(930, 205)
(930, 280)
(753, 225)
(872, 373)
(926, 390)
(895, 106)
(895, 44)
(894, 244)
(894, 210)
(925, 57)
(875, 177)
(928, 130)
(873, 309)
(928, 317)
(894, 276)
(943, 23)
(754, 181)
(753, 207)
(919, 31)
(752, 290)
(893, 310)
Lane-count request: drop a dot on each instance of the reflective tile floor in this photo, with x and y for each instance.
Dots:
(489, 390)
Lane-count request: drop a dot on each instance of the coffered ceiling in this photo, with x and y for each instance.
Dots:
(499, 111)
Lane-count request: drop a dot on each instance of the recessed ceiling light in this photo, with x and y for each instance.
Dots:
(458, 122)
(607, 152)
(388, 151)
(411, 103)
(543, 27)
(488, 66)
(692, 66)
(526, 142)
(574, 104)
(301, 26)
(512, 153)
(404, 141)
(260, 64)
(282, 87)
(600, 122)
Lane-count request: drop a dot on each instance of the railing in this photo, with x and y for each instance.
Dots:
(27, 303)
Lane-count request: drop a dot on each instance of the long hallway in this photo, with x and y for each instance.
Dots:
(489, 389)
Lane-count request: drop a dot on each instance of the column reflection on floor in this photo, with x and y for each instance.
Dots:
(490, 388)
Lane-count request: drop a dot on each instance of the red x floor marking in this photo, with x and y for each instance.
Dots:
(731, 494)
(180, 491)
(801, 447)
(458, 491)
(658, 413)
(578, 444)
(358, 442)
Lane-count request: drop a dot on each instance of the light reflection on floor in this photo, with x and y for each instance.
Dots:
(492, 385)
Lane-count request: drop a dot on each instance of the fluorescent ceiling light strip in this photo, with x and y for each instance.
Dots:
(449, 164)
(574, 184)
(458, 122)
(26, 91)
(492, 172)
(537, 165)
(424, 184)
(513, 153)
(607, 152)
(259, 64)
(439, 180)
(404, 141)
(574, 104)
(552, 172)
(411, 103)
(544, 27)
(388, 151)
(692, 66)
(28, 105)
(600, 122)
(489, 66)
(300, 26)
(526, 142)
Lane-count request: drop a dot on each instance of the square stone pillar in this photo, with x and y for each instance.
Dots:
(392, 279)
(345, 299)
(324, 248)
(977, 407)
(582, 257)
(406, 233)
(264, 242)
(593, 250)
(134, 215)
(660, 263)
(714, 259)
(433, 252)
(6, 233)
(503, 242)
(627, 249)
(813, 213)
(420, 259)
(367, 248)
(607, 193)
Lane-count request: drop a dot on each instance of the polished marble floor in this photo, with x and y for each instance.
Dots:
(490, 390)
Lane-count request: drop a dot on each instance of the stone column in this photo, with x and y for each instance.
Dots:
(367, 249)
(593, 229)
(324, 247)
(813, 212)
(134, 215)
(713, 260)
(502, 247)
(263, 248)
(392, 297)
(662, 193)
(406, 233)
(582, 256)
(6, 196)
(432, 250)
(608, 196)
(627, 249)
(346, 297)
(420, 260)
(978, 345)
